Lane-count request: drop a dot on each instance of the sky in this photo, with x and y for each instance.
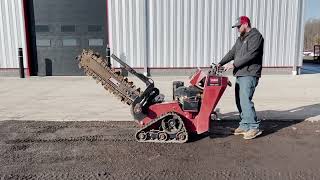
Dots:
(312, 9)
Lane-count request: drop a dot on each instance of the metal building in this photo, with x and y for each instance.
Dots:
(61, 29)
(147, 34)
(194, 33)
(51, 33)
(12, 34)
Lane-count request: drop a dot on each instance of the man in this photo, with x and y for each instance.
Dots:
(247, 54)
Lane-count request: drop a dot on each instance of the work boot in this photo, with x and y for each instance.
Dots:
(239, 131)
(252, 133)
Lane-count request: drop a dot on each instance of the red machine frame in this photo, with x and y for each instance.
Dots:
(196, 122)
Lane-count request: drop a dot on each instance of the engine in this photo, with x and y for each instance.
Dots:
(188, 97)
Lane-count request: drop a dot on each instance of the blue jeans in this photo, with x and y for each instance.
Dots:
(244, 90)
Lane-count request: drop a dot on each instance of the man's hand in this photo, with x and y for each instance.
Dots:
(228, 66)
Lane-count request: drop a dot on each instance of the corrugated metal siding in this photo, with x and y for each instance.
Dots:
(127, 30)
(190, 33)
(12, 33)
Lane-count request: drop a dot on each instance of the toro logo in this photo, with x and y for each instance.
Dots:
(214, 81)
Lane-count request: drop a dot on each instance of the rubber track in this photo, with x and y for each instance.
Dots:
(183, 129)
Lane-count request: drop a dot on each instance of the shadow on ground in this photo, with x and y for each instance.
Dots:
(227, 124)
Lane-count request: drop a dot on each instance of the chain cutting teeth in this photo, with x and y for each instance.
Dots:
(111, 79)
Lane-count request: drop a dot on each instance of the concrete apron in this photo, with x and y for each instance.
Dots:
(277, 97)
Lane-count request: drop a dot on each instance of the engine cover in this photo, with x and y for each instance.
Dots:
(189, 98)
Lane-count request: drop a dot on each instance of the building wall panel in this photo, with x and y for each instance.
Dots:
(191, 33)
(12, 33)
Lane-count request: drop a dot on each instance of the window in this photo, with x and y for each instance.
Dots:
(95, 42)
(42, 28)
(43, 42)
(68, 28)
(69, 42)
(94, 28)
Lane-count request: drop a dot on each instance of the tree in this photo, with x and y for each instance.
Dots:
(317, 39)
(311, 33)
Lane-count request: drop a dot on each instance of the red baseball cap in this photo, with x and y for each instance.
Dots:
(241, 20)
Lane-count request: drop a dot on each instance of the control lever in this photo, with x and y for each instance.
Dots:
(215, 69)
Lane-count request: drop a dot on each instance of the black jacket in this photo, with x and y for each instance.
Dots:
(247, 54)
